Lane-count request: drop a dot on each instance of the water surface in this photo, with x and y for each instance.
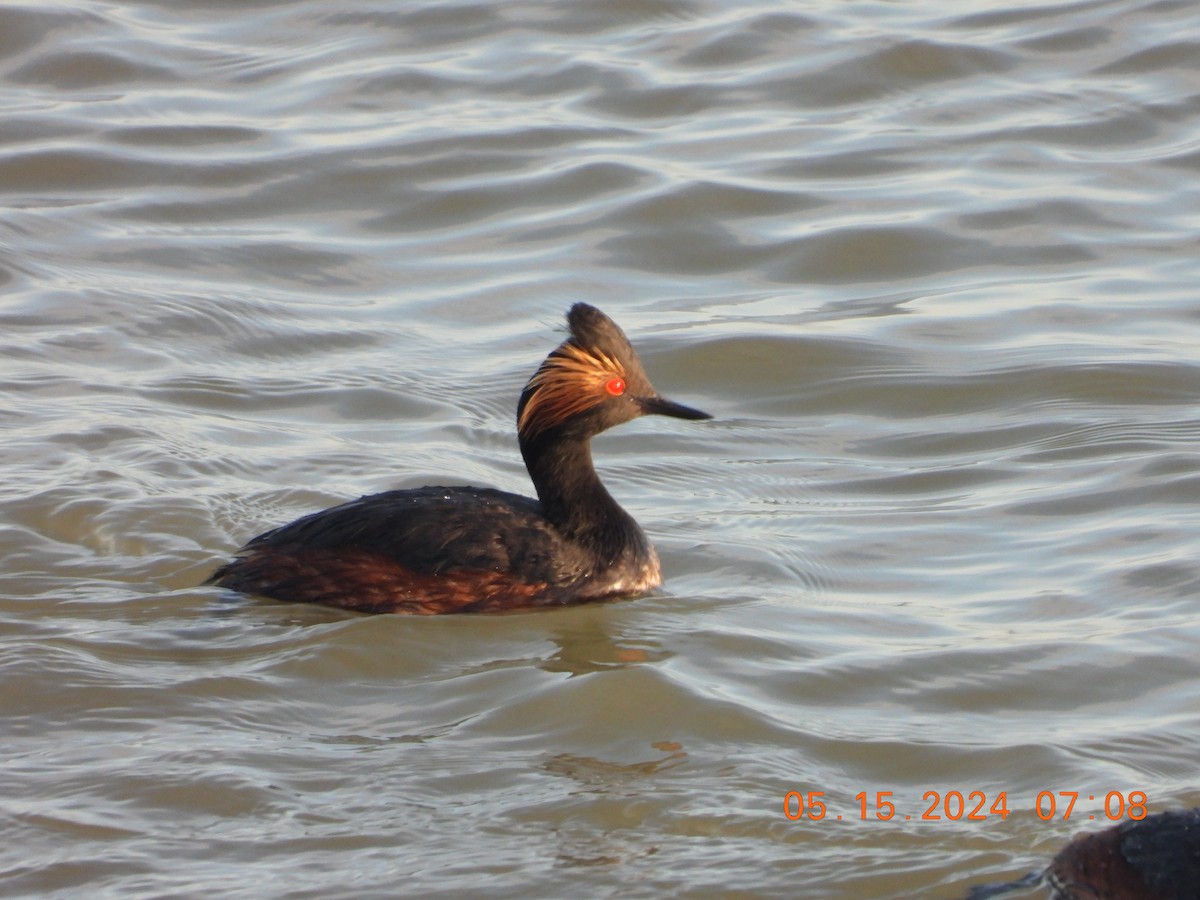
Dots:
(934, 272)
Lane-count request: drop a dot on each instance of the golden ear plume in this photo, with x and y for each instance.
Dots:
(570, 381)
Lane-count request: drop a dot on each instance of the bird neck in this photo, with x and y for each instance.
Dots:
(571, 494)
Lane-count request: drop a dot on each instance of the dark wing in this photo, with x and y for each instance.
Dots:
(434, 531)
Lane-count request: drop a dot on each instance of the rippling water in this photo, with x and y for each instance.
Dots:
(933, 271)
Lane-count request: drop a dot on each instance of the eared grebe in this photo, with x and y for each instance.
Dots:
(435, 550)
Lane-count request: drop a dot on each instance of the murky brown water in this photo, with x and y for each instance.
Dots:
(935, 272)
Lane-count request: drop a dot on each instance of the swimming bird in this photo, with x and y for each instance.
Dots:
(435, 550)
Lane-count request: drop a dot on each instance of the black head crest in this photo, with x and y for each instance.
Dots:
(595, 364)
(592, 381)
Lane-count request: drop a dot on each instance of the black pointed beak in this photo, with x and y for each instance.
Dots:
(658, 406)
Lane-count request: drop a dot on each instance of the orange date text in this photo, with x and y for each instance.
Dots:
(969, 806)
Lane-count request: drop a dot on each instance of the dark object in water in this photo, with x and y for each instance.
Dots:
(1155, 858)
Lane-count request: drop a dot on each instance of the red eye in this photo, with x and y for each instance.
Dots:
(615, 386)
